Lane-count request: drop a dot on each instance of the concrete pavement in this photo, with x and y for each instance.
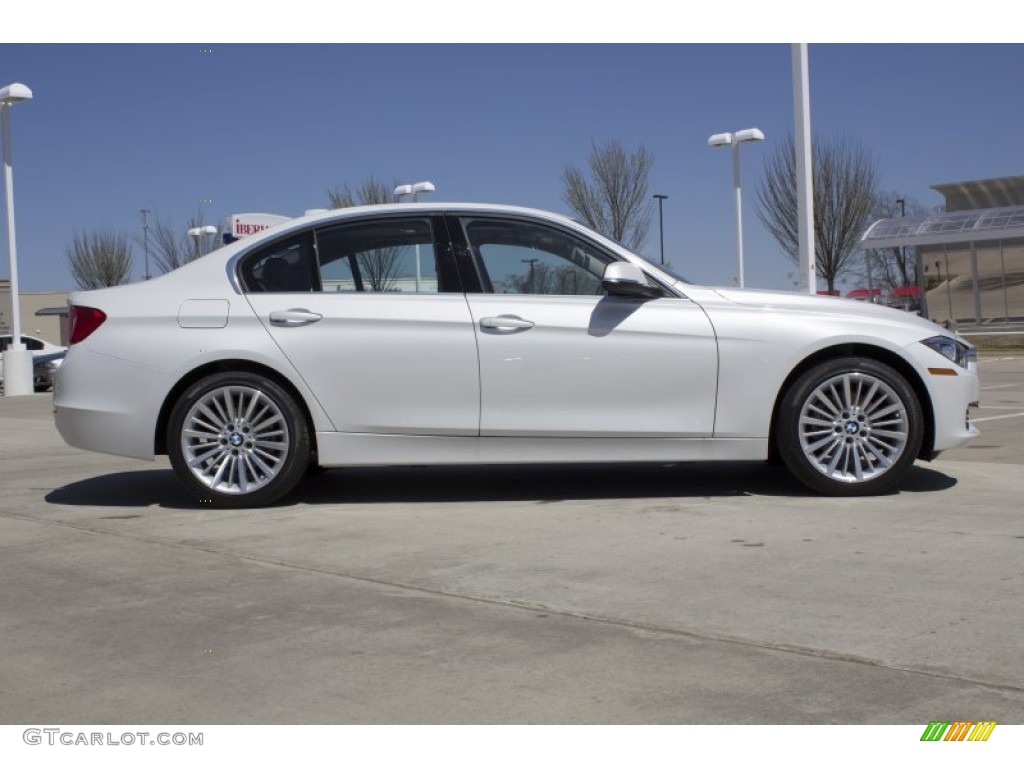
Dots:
(608, 594)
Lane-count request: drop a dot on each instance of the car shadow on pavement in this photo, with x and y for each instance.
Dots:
(125, 489)
(540, 483)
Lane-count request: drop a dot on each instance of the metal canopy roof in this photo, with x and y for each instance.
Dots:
(986, 193)
(959, 227)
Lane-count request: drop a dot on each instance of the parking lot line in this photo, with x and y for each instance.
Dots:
(1004, 416)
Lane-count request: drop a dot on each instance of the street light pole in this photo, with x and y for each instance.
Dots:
(661, 226)
(922, 296)
(804, 167)
(903, 264)
(199, 235)
(145, 236)
(531, 262)
(414, 190)
(17, 359)
(734, 139)
(739, 208)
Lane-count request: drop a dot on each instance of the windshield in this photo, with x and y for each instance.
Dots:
(669, 269)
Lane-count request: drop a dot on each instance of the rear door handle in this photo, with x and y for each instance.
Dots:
(293, 317)
(506, 323)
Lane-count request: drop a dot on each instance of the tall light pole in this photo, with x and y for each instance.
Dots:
(903, 264)
(17, 359)
(922, 299)
(199, 235)
(145, 236)
(804, 168)
(661, 226)
(734, 140)
(531, 262)
(414, 190)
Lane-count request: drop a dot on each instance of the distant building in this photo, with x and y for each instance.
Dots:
(982, 279)
(988, 193)
(972, 253)
(52, 328)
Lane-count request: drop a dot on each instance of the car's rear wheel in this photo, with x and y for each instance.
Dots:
(850, 426)
(238, 440)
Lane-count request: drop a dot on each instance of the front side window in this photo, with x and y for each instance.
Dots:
(523, 257)
(383, 256)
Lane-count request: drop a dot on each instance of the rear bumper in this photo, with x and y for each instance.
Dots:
(103, 431)
(108, 405)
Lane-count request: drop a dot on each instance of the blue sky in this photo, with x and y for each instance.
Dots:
(116, 128)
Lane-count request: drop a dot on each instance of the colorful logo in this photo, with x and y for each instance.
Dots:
(958, 730)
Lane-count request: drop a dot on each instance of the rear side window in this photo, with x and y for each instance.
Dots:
(385, 256)
(284, 267)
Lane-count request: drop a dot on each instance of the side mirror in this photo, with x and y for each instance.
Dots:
(624, 279)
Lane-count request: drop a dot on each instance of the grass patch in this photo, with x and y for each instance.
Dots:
(986, 342)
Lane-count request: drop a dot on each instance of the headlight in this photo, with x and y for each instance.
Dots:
(951, 349)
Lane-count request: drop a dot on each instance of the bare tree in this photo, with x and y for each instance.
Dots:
(166, 245)
(614, 199)
(545, 279)
(371, 191)
(378, 267)
(844, 175)
(171, 245)
(99, 259)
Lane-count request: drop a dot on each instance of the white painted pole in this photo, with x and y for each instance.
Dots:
(804, 168)
(739, 208)
(17, 360)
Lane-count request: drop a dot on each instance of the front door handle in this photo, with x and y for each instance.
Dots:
(506, 323)
(289, 318)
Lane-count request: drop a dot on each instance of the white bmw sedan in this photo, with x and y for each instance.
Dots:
(484, 334)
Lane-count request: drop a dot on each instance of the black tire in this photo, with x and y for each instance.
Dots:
(851, 426)
(315, 469)
(247, 440)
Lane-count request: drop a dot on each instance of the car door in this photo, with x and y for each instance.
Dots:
(372, 316)
(558, 357)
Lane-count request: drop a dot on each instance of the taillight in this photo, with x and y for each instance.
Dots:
(83, 321)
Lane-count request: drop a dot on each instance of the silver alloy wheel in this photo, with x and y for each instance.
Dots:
(235, 439)
(853, 427)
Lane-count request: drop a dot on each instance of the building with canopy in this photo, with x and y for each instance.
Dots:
(970, 258)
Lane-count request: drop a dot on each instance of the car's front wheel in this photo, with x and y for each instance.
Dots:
(850, 427)
(238, 440)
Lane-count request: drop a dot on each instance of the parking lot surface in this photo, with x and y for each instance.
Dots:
(583, 594)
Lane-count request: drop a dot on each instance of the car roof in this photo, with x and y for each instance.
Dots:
(431, 206)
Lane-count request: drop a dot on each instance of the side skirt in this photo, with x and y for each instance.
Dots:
(338, 449)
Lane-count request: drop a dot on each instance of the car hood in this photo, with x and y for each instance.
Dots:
(826, 305)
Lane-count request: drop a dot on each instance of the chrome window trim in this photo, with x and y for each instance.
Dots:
(361, 213)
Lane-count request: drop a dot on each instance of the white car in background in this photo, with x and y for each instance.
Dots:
(46, 359)
(469, 334)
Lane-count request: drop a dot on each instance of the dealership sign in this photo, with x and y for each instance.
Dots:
(241, 225)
